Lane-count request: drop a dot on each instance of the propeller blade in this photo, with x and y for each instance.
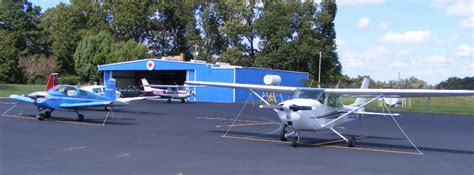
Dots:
(300, 108)
(271, 107)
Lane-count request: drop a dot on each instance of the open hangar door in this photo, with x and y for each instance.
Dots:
(126, 79)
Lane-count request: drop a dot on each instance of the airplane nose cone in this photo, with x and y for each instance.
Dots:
(38, 97)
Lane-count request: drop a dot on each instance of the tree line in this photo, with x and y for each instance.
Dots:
(408, 83)
(74, 38)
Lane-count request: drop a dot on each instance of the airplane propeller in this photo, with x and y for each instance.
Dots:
(292, 107)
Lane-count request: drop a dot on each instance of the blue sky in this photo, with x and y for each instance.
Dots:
(429, 39)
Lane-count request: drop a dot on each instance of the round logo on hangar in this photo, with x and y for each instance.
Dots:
(150, 65)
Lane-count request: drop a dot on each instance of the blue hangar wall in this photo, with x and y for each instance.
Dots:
(210, 72)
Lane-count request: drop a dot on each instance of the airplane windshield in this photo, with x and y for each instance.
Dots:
(307, 93)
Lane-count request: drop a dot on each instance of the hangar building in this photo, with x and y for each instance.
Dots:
(169, 72)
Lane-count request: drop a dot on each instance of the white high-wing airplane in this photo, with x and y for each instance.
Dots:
(168, 91)
(314, 109)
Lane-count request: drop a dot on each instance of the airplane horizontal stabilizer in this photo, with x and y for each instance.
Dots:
(128, 99)
(377, 113)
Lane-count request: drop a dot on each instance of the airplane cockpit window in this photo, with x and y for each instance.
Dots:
(63, 89)
(307, 93)
(97, 90)
(330, 100)
(83, 93)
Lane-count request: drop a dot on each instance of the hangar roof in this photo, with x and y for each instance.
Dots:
(160, 64)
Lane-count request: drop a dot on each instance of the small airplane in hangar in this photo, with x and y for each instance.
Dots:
(168, 91)
(71, 97)
(315, 109)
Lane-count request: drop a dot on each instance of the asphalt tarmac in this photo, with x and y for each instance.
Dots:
(154, 137)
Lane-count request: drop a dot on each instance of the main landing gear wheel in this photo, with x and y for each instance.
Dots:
(40, 117)
(295, 141)
(169, 101)
(283, 134)
(352, 141)
(47, 114)
(80, 117)
(183, 100)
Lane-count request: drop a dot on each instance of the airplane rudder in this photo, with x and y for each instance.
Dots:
(52, 81)
(146, 86)
(110, 89)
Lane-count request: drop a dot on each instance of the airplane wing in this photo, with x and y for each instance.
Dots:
(22, 98)
(175, 86)
(88, 104)
(345, 92)
(265, 88)
(398, 92)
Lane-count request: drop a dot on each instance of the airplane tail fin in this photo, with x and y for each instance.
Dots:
(52, 81)
(110, 89)
(146, 86)
(365, 85)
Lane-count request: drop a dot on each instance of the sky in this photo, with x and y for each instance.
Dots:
(428, 39)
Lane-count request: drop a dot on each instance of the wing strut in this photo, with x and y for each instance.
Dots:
(399, 127)
(107, 116)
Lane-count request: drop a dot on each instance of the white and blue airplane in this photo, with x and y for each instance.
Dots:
(315, 109)
(72, 97)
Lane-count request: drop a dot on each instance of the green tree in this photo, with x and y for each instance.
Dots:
(92, 50)
(62, 25)
(457, 83)
(130, 19)
(19, 35)
(66, 25)
(10, 71)
(126, 51)
(275, 28)
(174, 29)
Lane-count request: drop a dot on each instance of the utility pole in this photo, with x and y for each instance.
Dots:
(319, 74)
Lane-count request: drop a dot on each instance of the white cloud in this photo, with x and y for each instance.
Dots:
(464, 51)
(383, 26)
(467, 23)
(440, 4)
(448, 41)
(410, 37)
(360, 2)
(430, 61)
(460, 8)
(398, 64)
(363, 23)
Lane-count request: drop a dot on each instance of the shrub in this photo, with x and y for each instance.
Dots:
(70, 79)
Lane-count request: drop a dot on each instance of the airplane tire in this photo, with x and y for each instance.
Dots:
(169, 101)
(80, 117)
(352, 141)
(40, 117)
(47, 114)
(294, 142)
(282, 134)
(183, 100)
